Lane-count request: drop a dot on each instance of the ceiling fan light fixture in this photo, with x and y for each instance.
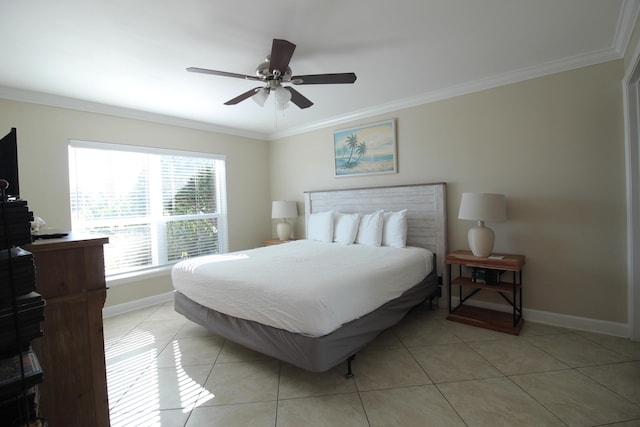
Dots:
(283, 97)
(261, 96)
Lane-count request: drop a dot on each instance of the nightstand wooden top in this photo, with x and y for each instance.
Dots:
(510, 262)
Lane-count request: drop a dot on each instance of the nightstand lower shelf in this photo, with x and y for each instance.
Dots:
(485, 318)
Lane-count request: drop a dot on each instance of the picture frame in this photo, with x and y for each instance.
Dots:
(368, 149)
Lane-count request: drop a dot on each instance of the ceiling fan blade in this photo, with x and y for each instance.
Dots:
(299, 99)
(222, 73)
(322, 79)
(242, 97)
(281, 53)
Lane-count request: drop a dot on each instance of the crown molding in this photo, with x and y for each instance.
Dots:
(552, 67)
(626, 22)
(127, 113)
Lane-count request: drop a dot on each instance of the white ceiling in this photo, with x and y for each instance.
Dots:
(128, 57)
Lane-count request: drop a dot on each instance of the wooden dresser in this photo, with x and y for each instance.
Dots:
(70, 277)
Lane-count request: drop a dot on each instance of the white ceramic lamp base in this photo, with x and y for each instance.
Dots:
(284, 230)
(481, 240)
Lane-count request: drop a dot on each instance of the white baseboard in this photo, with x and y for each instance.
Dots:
(560, 320)
(115, 310)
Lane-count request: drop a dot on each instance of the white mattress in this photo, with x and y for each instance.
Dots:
(303, 286)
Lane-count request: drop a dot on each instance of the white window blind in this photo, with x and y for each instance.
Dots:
(156, 206)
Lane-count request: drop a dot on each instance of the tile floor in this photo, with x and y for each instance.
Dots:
(164, 370)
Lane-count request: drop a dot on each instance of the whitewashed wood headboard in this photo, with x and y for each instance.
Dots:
(426, 206)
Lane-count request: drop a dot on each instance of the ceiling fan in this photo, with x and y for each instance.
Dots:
(275, 71)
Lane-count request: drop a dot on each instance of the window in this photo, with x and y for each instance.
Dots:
(156, 206)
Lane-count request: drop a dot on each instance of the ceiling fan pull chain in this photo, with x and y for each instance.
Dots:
(275, 110)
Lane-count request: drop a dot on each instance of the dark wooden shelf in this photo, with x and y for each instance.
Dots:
(485, 318)
(503, 287)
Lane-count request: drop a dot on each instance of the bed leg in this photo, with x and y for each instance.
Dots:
(349, 373)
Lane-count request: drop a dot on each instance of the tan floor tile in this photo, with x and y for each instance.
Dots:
(409, 407)
(157, 329)
(425, 333)
(132, 317)
(166, 311)
(242, 382)
(164, 388)
(120, 380)
(452, 362)
(116, 327)
(575, 350)
(576, 399)
(259, 414)
(385, 368)
(134, 355)
(296, 382)
(531, 329)
(191, 351)
(192, 330)
(632, 423)
(159, 363)
(164, 418)
(631, 349)
(468, 333)
(496, 401)
(387, 339)
(622, 378)
(516, 356)
(344, 410)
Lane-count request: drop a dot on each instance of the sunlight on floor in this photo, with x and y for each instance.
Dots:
(192, 394)
(136, 383)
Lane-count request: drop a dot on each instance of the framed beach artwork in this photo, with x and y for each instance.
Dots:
(366, 149)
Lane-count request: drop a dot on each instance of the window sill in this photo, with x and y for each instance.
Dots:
(136, 276)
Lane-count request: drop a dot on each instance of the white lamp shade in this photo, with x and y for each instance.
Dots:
(483, 207)
(284, 209)
(260, 96)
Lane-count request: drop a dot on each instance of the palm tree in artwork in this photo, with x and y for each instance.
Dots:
(361, 149)
(352, 143)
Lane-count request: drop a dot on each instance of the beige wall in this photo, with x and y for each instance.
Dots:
(554, 146)
(43, 135)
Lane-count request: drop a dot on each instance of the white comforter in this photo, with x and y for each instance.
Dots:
(304, 286)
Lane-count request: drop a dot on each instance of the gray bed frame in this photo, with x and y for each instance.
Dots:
(426, 219)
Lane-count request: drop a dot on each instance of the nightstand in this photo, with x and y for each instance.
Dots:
(501, 273)
(271, 242)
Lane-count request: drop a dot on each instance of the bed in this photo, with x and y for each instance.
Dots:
(326, 300)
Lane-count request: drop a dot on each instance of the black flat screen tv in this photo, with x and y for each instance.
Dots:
(9, 164)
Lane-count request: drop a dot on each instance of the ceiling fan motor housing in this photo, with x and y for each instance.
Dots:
(263, 72)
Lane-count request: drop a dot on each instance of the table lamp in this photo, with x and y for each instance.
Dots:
(283, 209)
(482, 207)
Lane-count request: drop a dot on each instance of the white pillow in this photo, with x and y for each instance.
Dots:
(370, 229)
(345, 227)
(320, 227)
(394, 229)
